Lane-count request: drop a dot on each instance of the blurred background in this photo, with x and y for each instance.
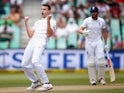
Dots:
(65, 49)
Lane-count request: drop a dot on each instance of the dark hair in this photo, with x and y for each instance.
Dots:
(47, 6)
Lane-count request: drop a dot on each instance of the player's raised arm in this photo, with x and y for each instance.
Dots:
(49, 29)
(30, 31)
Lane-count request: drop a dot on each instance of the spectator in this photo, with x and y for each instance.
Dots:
(17, 7)
(6, 33)
(120, 45)
(117, 44)
(19, 4)
(2, 11)
(82, 11)
(104, 9)
(14, 16)
(71, 11)
(65, 9)
(92, 1)
(61, 21)
(71, 27)
(76, 16)
(61, 27)
(53, 9)
(110, 3)
(61, 33)
(115, 12)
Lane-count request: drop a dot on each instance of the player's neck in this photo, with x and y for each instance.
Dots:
(94, 18)
(43, 17)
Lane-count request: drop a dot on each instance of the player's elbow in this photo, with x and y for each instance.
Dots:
(49, 34)
(80, 32)
(30, 36)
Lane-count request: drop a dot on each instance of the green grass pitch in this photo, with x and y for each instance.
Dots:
(58, 79)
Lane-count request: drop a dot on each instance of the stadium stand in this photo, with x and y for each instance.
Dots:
(61, 43)
(77, 9)
(3, 45)
(51, 43)
(72, 40)
(115, 28)
(15, 41)
(73, 8)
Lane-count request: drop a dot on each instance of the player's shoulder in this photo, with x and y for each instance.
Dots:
(37, 21)
(101, 19)
(53, 21)
(88, 19)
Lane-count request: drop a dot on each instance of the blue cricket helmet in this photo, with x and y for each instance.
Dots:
(94, 9)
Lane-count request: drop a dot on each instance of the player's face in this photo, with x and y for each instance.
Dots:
(45, 11)
(94, 15)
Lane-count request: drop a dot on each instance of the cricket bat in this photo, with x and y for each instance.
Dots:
(110, 67)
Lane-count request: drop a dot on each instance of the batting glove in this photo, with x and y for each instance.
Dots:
(86, 32)
(106, 48)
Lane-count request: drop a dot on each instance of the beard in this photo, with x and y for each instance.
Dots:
(95, 16)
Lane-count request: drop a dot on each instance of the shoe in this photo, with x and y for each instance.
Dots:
(93, 82)
(102, 81)
(34, 86)
(45, 87)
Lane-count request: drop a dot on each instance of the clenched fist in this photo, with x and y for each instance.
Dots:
(86, 32)
(26, 18)
(49, 17)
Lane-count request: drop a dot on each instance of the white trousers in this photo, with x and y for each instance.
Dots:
(32, 59)
(95, 49)
(95, 52)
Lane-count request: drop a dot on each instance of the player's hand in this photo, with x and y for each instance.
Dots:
(26, 18)
(49, 17)
(106, 48)
(86, 32)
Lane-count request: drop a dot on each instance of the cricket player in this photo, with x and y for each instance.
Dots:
(38, 35)
(95, 33)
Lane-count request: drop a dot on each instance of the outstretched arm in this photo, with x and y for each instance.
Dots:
(30, 31)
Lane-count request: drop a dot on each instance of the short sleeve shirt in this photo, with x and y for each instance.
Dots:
(40, 27)
(95, 27)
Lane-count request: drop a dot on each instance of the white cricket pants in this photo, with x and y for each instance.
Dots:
(95, 49)
(32, 58)
(95, 52)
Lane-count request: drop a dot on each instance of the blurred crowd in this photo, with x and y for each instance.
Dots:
(69, 15)
(11, 13)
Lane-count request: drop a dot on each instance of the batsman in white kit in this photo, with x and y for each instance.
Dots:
(39, 34)
(94, 30)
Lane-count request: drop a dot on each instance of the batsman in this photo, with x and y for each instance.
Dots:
(94, 30)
